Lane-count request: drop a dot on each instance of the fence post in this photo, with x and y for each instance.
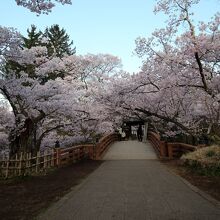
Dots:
(163, 149)
(91, 151)
(7, 169)
(44, 159)
(58, 155)
(30, 162)
(48, 161)
(52, 159)
(27, 168)
(85, 152)
(170, 150)
(26, 156)
(37, 161)
(96, 150)
(16, 164)
(20, 163)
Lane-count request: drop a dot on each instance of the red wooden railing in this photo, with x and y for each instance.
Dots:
(176, 150)
(76, 153)
(69, 155)
(103, 145)
(167, 149)
(159, 146)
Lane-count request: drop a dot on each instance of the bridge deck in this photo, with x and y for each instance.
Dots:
(130, 150)
(132, 190)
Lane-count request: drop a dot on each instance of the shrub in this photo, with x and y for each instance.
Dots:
(205, 161)
(210, 153)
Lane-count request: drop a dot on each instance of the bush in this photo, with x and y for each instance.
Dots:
(205, 161)
(210, 153)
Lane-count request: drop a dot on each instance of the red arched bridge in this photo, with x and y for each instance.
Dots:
(26, 164)
(131, 183)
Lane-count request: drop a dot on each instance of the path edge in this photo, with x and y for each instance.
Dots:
(58, 204)
(195, 188)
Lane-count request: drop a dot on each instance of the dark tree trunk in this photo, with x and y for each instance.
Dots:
(25, 140)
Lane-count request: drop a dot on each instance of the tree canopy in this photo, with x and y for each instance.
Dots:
(56, 94)
(177, 89)
(40, 6)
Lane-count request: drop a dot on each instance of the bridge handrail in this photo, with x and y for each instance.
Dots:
(24, 164)
(159, 146)
(71, 154)
(104, 143)
(176, 149)
(68, 155)
(167, 149)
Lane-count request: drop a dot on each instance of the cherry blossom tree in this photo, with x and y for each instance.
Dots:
(177, 89)
(57, 105)
(40, 6)
(78, 97)
(49, 94)
(181, 70)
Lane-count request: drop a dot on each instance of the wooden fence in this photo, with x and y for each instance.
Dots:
(167, 149)
(27, 164)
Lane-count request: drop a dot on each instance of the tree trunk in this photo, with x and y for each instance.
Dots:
(25, 140)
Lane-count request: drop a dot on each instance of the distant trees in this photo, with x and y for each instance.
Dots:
(33, 39)
(55, 39)
(58, 41)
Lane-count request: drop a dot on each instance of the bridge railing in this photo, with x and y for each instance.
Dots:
(72, 154)
(27, 164)
(159, 146)
(68, 155)
(168, 150)
(176, 150)
(103, 145)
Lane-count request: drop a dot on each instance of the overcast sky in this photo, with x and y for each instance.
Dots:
(100, 26)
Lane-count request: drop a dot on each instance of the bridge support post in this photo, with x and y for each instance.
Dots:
(163, 149)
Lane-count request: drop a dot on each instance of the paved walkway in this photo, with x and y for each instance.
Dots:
(137, 189)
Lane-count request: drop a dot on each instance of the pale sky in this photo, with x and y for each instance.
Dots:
(100, 26)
